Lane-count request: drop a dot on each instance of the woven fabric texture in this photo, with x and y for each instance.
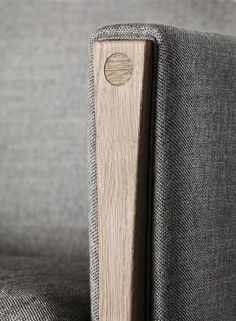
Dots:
(43, 110)
(37, 289)
(193, 174)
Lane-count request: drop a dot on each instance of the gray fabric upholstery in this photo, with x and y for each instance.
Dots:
(192, 174)
(43, 110)
(43, 130)
(36, 289)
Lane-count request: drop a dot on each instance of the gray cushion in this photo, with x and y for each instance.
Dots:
(37, 289)
(192, 174)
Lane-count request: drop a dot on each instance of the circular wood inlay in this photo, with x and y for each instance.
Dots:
(118, 69)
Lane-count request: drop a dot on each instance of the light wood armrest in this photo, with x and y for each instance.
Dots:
(122, 80)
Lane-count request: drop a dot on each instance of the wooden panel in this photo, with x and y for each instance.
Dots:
(122, 78)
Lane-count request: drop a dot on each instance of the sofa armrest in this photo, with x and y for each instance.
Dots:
(190, 252)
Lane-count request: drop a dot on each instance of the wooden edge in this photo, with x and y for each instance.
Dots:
(122, 87)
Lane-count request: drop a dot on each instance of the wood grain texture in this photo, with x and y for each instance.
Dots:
(118, 69)
(122, 129)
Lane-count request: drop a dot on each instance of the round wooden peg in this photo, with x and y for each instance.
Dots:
(118, 69)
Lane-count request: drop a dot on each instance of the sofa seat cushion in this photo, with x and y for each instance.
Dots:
(38, 289)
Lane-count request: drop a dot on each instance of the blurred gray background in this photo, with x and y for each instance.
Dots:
(43, 110)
